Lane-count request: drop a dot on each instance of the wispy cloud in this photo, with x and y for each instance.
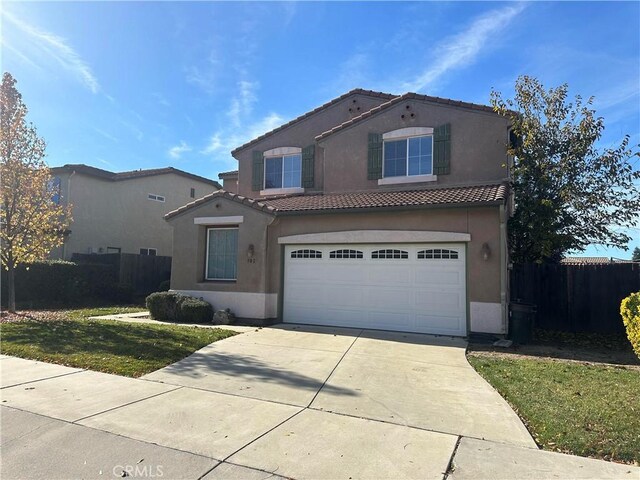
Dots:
(161, 99)
(56, 48)
(242, 104)
(462, 49)
(177, 151)
(106, 135)
(105, 162)
(225, 140)
(132, 128)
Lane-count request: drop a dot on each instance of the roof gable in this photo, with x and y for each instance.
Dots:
(396, 100)
(356, 91)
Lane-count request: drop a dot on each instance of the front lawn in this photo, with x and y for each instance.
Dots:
(130, 349)
(586, 410)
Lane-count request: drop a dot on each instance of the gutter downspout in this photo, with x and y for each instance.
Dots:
(504, 286)
(64, 245)
(273, 220)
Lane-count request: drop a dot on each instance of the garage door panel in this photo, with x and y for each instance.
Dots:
(438, 301)
(410, 294)
(438, 276)
(387, 274)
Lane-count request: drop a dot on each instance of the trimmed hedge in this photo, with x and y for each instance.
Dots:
(174, 307)
(630, 312)
(61, 283)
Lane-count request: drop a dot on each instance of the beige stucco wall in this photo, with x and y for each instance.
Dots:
(264, 276)
(188, 263)
(119, 214)
(478, 146)
(303, 134)
(481, 223)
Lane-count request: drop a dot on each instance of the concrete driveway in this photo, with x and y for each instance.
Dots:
(290, 401)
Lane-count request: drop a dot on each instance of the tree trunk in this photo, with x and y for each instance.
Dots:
(11, 284)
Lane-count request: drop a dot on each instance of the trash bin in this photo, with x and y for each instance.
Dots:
(521, 319)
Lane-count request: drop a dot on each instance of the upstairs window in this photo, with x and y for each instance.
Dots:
(283, 171)
(408, 156)
(157, 198)
(192, 193)
(147, 251)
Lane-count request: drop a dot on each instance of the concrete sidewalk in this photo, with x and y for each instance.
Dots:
(263, 420)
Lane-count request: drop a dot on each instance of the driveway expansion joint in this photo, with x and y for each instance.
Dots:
(125, 405)
(46, 378)
(334, 368)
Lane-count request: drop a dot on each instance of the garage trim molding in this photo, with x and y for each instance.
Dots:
(376, 236)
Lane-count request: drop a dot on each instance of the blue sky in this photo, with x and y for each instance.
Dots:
(123, 86)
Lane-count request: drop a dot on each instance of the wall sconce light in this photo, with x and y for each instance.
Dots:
(251, 252)
(485, 251)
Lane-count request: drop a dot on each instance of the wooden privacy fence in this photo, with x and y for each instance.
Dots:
(576, 298)
(143, 272)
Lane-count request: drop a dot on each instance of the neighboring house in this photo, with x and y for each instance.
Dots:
(371, 211)
(123, 212)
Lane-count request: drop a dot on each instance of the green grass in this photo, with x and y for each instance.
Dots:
(97, 312)
(129, 349)
(586, 410)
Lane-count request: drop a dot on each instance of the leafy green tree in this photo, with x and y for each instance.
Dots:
(568, 192)
(636, 255)
(32, 224)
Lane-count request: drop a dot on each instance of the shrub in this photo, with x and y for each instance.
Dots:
(630, 312)
(194, 310)
(57, 282)
(164, 286)
(163, 306)
(173, 307)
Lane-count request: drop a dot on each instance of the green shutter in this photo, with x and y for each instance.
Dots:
(442, 149)
(308, 167)
(257, 182)
(374, 159)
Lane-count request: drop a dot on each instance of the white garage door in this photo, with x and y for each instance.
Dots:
(404, 287)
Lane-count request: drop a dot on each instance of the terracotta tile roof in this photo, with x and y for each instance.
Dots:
(477, 194)
(370, 93)
(222, 194)
(380, 199)
(107, 175)
(401, 98)
(232, 173)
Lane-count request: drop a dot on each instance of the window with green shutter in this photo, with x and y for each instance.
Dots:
(308, 166)
(374, 159)
(442, 149)
(257, 179)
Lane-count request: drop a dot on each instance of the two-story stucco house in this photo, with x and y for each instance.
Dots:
(371, 211)
(123, 212)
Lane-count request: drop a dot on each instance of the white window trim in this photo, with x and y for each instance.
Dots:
(282, 151)
(232, 220)
(276, 153)
(206, 265)
(155, 197)
(281, 191)
(406, 134)
(148, 249)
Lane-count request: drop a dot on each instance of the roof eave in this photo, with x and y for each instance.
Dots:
(392, 208)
